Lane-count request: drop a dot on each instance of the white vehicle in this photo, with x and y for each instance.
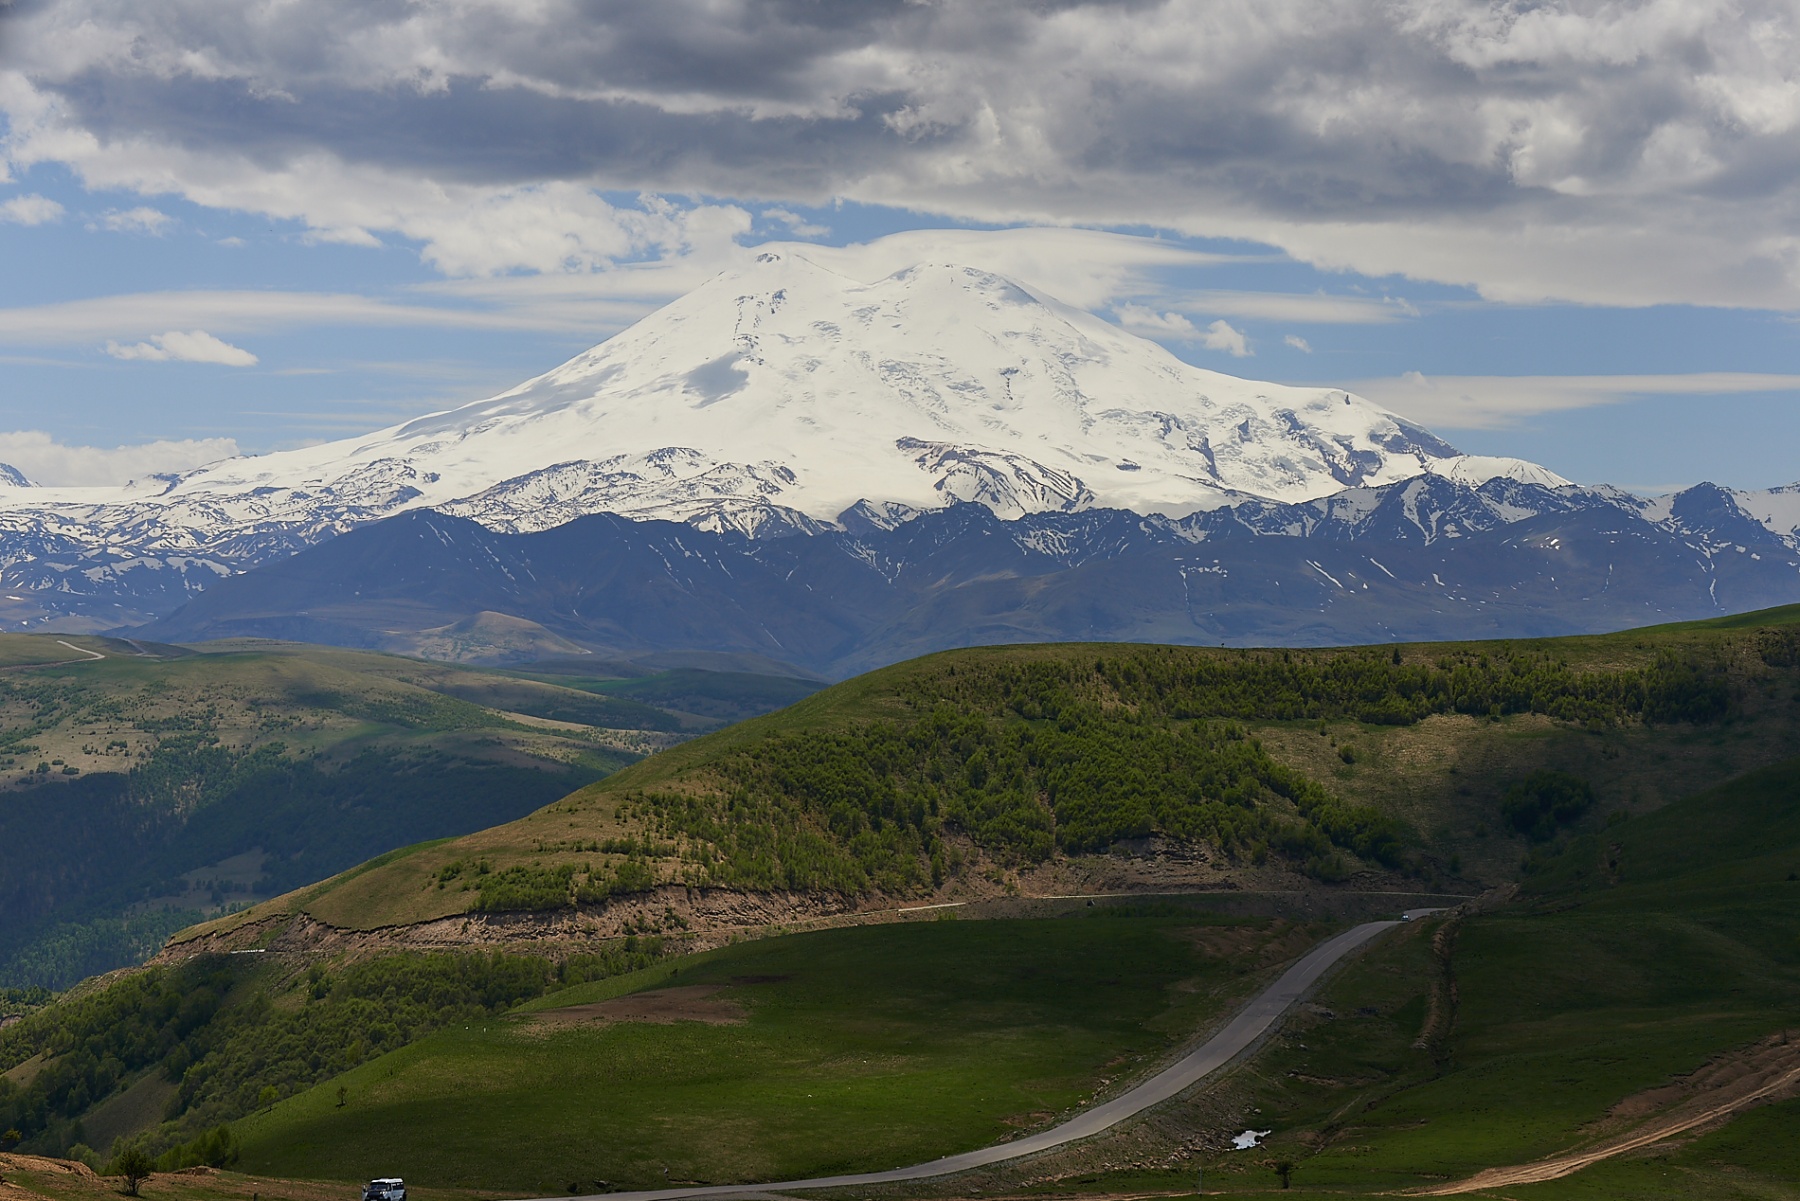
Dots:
(390, 1188)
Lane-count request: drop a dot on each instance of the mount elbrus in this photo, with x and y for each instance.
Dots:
(786, 399)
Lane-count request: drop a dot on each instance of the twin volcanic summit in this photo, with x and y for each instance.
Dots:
(835, 473)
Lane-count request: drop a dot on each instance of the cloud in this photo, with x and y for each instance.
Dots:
(1081, 267)
(48, 462)
(30, 210)
(797, 225)
(1220, 336)
(141, 314)
(193, 346)
(1500, 401)
(1317, 308)
(140, 220)
(1606, 153)
(1147, 320)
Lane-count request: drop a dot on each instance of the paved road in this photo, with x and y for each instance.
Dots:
(1249, 1025)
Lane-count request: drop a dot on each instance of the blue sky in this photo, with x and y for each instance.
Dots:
(220, 232)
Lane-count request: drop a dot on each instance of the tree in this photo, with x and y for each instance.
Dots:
(267, 1097)
(342, 1095)
(1284, 1168)
(1545, 801)
(134, 1164)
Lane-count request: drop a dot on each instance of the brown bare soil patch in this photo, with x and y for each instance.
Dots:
(1709, 1097)
(688, 1003)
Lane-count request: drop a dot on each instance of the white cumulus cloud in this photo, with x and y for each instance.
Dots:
(30, 210)
(1614, 153)
(1221, 336)
(1298, 343)
(51, 463)
(177, 346)
(140, 220)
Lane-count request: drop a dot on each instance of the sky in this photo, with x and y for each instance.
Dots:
(1564, 231)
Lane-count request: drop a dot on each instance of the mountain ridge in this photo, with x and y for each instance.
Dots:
(1424, 558)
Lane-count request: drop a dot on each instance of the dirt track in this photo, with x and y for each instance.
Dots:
(1736, 1083)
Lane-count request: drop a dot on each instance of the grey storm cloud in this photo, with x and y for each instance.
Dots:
(1626, 152)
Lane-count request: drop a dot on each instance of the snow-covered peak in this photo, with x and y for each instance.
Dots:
(787, 384)
(12, 477)
(1476, 470)
(1778, 509)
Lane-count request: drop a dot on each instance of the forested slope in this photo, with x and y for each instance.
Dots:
(1442, 762)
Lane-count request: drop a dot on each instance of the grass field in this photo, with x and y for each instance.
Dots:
(849, 1049)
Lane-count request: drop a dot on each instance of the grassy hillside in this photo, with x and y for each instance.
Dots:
(1646, 968)
(144, 787)
(837, 1049)
(975, 769)
(1643, 972)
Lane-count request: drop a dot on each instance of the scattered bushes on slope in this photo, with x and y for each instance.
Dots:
(1029, 754)
(536, 888)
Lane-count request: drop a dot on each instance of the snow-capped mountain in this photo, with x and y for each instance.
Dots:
(786, 388)
(789, 399)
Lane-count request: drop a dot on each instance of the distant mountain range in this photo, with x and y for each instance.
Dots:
(933, 458)
(1422, 559)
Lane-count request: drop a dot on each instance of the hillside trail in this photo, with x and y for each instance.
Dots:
(1244, 1030)
(1714, 1104)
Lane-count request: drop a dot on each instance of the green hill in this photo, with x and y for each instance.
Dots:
(992, 770)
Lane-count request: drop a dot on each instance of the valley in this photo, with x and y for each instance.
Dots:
(144, 786)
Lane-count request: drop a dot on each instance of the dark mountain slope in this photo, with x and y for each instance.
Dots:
(1422, 560)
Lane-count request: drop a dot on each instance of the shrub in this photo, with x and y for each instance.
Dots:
(1545, 801)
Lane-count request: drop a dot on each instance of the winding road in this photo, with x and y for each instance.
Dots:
(1250, 1024)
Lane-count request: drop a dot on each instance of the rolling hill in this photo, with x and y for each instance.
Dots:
(1064, 768)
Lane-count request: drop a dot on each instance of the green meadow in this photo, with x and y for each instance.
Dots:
(849, 1049)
